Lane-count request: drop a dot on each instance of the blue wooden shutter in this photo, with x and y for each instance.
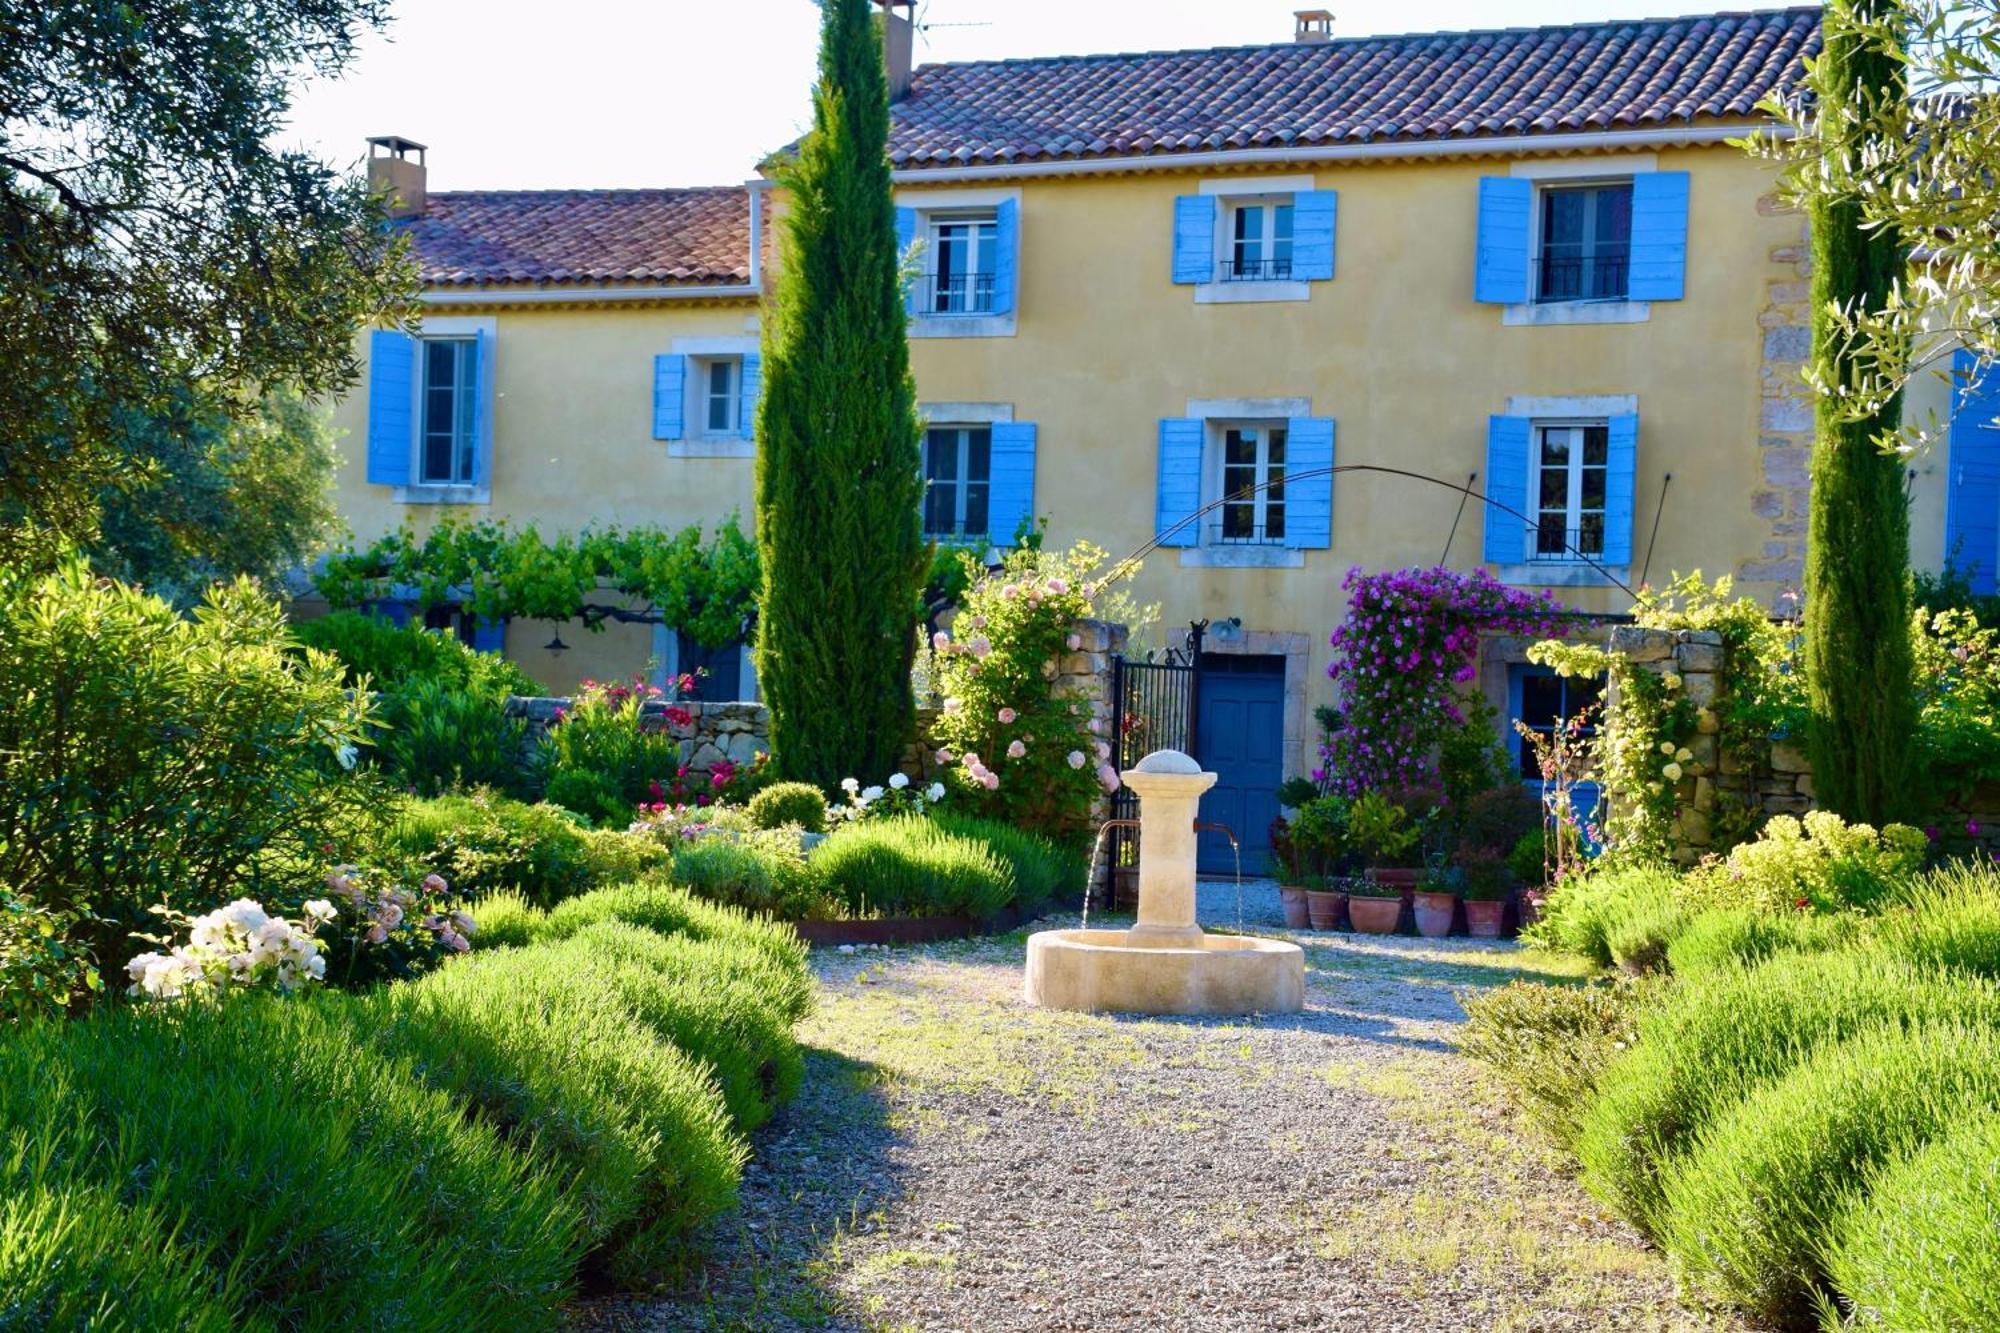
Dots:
(1507, 484)
(1313, 216)
(1500, 266)
(392, 436)
(395, 611)
(1010, 500)
(1621, 475)
(1659, 236)
(1180, 481)
(747, 389)
(489, 636)
(1194, 238)
(482, 408)
(1006, 241)
(1972, 489)
(669, 396)
(906, 236)
(1309, 502)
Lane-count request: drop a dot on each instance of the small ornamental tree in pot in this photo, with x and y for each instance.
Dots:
(1323, 830)
(1387, 840)
(1483, 881)
(1015, 745)
(1292, 874)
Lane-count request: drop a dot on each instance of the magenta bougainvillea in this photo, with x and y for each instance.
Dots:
(1409, 643)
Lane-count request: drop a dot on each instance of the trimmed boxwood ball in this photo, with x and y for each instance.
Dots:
(1750, 1210)
(785, 803)
(1718, 1035)
(1942, 1203)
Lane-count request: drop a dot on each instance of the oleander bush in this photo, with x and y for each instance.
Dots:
(1751, 1208)
(912, 866)
(1551, 1044)
(1716, 1036)
(784, 803)
(1941, 1202)
(1043, 871)
(392, 657)
(759, 872)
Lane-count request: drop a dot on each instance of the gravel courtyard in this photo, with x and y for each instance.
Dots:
(958, 1161)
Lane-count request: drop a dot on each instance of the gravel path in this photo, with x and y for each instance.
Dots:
(959, 1161)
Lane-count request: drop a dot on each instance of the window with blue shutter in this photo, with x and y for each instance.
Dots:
(1507, 469)
(1621, 474)
(1659, 236)
(392, 361)
(482, 408)
(1179, 481)
(1972, 488)
(1308, 498)
(1006, 254)
(906, 236)
(752, 383)
(1194, 238)
(1011, 497)
(1500, 265)
(669, 396)
(1314, 213)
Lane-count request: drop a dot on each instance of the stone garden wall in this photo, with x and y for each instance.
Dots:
(738, 731)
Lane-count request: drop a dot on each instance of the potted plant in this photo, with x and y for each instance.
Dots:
(1528, 865)
(1289, 861)
(1323, 837)
(1483, 880)
(1384, 835)
(1436, 898)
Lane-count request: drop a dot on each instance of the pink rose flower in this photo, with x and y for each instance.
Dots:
(1076, 759)
(1006, 715)
(1108, 775)
(1057, 587)
(990, 780)
(940, 641)
(944, 756)
(1016, 750)
(1096, 727)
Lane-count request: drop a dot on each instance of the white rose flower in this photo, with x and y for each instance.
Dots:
(870, 795)
(1683, 754)
(1672, 772)
(1672, 681)
(243, 914)
(898, 781)
(850, 785)
(935, 791)
(319, 909)
(1667, 748)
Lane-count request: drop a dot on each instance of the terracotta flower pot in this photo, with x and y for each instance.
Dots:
(1323, 908)
(1374, 916)
(1434, 914)
(1483, 917)
(1293, 898)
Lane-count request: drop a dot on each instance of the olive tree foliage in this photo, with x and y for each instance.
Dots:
(158, 255)
(1917, 156)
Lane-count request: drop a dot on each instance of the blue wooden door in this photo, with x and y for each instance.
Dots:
(1240, 737)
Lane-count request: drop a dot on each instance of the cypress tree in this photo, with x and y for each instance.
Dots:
(838, 482)
(1857, 607)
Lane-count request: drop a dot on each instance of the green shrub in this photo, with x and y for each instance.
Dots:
(718, 1000)
(1527, 860)
(1640, 936)
(333, 1189)
(394, 656)
(1951, 918)
(506, 920)
(1043, 872)
(785, 803)
(436, 739)
(1716, 1035)
(1916, 1249)
(485, 844)
(1821, 863)
(1751, 1208)
(592, 795)
(1550, 1044)
(152, 758)
(1581, 911)
(672, 911)
(759, 872)
(42, 969)
(912, 867)
(1740, 937)
(598, 760)
(542, 1046)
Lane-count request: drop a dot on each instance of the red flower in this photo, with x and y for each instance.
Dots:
(1803, 903)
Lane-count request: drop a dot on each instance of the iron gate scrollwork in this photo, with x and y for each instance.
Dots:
(1154, 706)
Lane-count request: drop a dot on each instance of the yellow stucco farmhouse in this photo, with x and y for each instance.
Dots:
(1525, 261)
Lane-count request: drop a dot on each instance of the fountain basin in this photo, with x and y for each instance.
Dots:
(1103, 971)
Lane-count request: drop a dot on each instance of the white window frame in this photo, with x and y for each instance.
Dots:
(1250, 192)
(450, 328)
(464, 444)
(1536, 257)
(929, 203)
(1583, 409)
(697, 440)
(1558, 173)
(962, 482)
(1227, 243)
(1216, 416)
(703, 368)
(973, 220)
(1573, 510)
(1216, 485)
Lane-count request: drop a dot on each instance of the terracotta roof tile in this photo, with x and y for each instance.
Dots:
(1523, 81)
(695, 236)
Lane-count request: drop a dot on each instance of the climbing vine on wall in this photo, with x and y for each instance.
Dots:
(704, 587)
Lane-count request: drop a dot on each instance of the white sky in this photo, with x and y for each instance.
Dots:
(527, 94)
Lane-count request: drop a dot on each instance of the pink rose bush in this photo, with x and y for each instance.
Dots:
(1015, 743)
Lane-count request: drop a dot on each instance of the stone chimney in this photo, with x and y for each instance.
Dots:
(1312, 25)
(899, 41)
(397, 175)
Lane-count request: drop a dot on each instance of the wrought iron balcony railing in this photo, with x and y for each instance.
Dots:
(1550, 541)
(1600, 277)
(958, 294)
(1257, 270)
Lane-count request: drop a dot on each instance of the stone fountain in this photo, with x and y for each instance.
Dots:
(1164, 964)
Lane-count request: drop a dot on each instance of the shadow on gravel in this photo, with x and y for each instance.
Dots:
(820, 1171)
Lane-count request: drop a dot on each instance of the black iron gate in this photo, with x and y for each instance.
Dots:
(1153, 707)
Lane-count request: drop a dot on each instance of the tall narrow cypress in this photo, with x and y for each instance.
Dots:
(1857, 608)
(838, 484)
